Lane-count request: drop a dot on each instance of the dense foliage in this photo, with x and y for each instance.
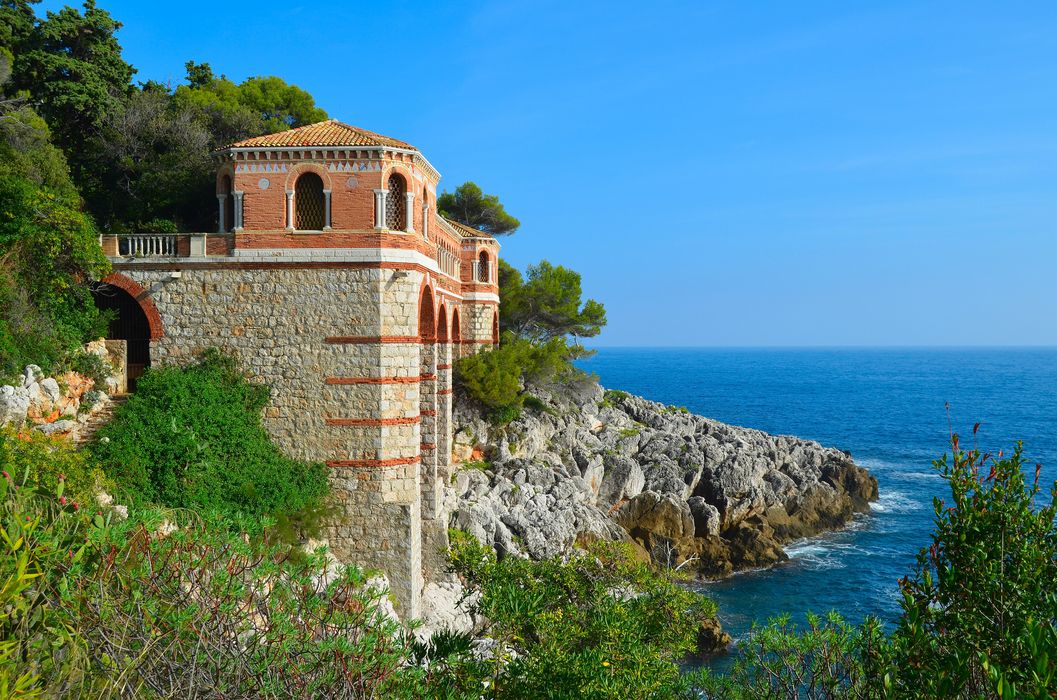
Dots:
(547, 303)
(48, 248)
(45, 460)
(979, 613)
(192, 437)
(139, 154)
(469, 205)
(596, 624)
(541, 318)
(96, 606)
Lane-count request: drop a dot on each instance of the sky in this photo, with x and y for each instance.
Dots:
(722, 174)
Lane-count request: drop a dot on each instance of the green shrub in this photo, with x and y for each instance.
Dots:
(495, 378)
(593, 625)
(979, 613)
(98, 607)
(781, 660)
(46, 460)
(192, 438)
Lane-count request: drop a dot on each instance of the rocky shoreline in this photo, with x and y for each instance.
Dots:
(687, 491)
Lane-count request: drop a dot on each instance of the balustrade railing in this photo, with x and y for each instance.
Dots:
(147, 245)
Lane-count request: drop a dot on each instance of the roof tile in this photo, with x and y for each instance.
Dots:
(328, 133)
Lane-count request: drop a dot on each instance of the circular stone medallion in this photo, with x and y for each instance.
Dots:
(351, 182)
(263, 183)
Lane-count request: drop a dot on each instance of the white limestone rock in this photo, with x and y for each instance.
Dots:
(618, 466)
(14, 405)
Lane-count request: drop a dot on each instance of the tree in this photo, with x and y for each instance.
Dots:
(16, 23)
(154, 164)
(48, 248)
(469, 205)
(72, 66)
(548, 305)
(257, 106)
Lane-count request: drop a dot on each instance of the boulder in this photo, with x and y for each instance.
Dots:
(14, 405)
(622, 480)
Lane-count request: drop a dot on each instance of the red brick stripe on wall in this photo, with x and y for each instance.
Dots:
(373, 421)
(427, 446)
(429, 377)
(371, 380)
(444, 392)
(370, 339)
(337, 463)
(443, 366)
(428, 412)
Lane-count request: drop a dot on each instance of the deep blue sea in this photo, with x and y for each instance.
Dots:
(886, 407)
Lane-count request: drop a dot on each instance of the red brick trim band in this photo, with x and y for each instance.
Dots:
(370, 339)
(428, 413)
(427, 446)
(444, 392)
(429, 377)
(373, 462)
(444, 366)
(371, 380)
(373, 421)
(487, 341)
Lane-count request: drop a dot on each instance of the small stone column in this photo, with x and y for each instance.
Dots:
(290, 210)
(221, 224)
(409, 211)
(425, 222)
(379, 208)
(326, 210)
(238, 210)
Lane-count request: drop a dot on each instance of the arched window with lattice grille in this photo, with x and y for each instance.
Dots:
(395, 204)
(309, 211)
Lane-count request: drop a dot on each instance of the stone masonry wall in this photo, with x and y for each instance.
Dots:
(340, 350)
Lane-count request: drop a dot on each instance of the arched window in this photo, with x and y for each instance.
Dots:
(228, 211)
(456, 330)
(482, 267)
(308, 203)
(395, 204)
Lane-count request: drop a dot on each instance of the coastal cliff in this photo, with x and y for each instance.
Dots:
(582, 462)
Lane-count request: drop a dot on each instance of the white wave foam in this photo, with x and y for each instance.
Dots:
(895, 502)
(922, 476)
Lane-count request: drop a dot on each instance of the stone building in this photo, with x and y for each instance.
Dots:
(334, 280)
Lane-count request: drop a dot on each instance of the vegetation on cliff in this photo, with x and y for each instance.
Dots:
(192, 437)
(979, 613)
(541, 317)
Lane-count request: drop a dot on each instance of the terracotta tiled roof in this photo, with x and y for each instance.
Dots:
(466, 230)
(328, 133)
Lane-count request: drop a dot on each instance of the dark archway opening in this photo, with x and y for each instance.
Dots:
(130, 324)
(309, 203)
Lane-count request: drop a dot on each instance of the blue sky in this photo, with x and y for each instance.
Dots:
(729, 174)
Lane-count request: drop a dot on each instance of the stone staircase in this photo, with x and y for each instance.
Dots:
(98, 420)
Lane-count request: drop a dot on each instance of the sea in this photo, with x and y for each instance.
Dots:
(888, 407)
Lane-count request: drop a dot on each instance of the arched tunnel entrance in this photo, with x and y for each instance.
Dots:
(129, 324)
